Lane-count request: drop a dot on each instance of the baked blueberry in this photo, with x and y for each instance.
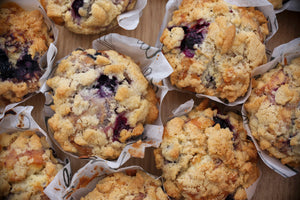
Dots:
(27, 69)
(6, 70)
(121, 123)
(75, 8)
(193, 35)
(107, 86)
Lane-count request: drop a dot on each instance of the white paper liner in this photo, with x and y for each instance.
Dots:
(20, 119)
(47, 59)
(282, 54)
(263, 5)
(294, 5)
(92, 173)
(130, 20)
(151, 61)
(185, 108)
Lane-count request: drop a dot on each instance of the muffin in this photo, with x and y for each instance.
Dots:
(273, 111)
(101, 102)
(132, 184)
(24, 39)
(213, 47)
(27, 166)
(206, 155)
(87, 17)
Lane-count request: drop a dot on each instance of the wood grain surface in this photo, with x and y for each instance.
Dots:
(271, 186)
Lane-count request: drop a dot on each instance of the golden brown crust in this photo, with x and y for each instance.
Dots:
(133, 185)
(213, 47)
(87, 17)
(273, 112)
(206, 155)
(26, 165)
(101, 100)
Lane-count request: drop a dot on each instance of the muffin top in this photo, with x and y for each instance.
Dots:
(86, 16)
(101, 102)
(213, 47)
(206, 155)
(130, 184)
(24, 38)
(27, 165)
(273, 111)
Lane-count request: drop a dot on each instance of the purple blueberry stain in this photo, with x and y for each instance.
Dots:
(6, 71)
(121, 124)
(193, 35)
(230, 197)
(107, 86)
(224, 123)
(26, 68)
(75, 8)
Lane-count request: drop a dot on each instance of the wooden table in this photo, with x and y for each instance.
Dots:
(272, 186)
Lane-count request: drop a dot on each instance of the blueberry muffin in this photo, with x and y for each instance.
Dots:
(87, 16)
(27, 166)
(24, 38)
(213, 47)
(273, 110)
(206, 155)
(131, 184)
(101, 101)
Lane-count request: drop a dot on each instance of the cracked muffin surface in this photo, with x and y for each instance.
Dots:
(131, 184)
(206, 155)
(24, 39)
(27, 165)
(273, 110)
(213, 47)
(101, 102)
(87, 16)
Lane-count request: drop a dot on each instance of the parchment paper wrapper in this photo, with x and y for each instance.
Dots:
(85, 180)
(282, 54)
(151, 61)
(131, 19)
(47, 59)
(186, 107)
(20, 119)
(263, 5)
(293, 5)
